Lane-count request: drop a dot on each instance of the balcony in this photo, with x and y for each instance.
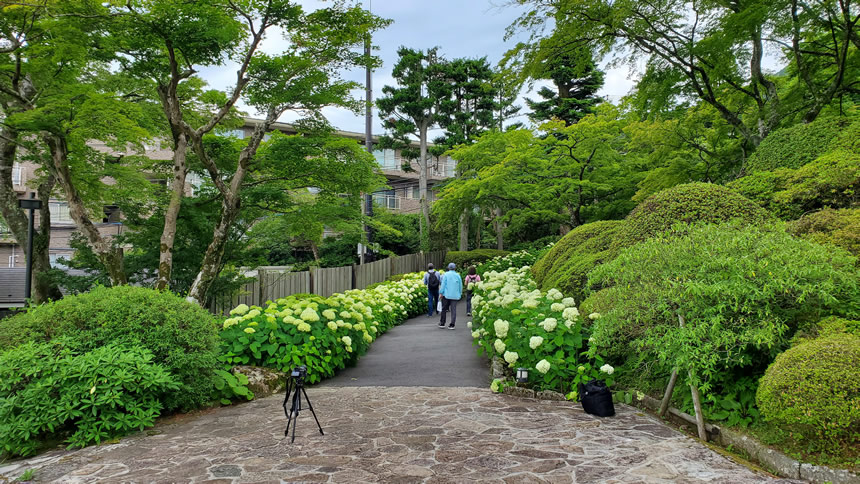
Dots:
(391, 202)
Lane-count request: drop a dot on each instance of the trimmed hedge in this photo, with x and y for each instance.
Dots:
(800, 144)
(464, 259)
(689, 203)
(813, 390)
(566, 266)
(840, 228)
(182, 337)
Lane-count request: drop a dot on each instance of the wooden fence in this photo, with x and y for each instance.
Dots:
(273, 282)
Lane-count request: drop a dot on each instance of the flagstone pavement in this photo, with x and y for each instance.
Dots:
(398, 435)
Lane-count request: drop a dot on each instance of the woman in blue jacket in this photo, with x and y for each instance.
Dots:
(451, 290)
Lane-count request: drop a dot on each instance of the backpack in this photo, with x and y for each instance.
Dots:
(432, 280)
(596, 398)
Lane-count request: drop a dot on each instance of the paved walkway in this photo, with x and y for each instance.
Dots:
(418, 353)
(400, 434)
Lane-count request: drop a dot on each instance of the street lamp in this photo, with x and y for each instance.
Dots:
(32, 205)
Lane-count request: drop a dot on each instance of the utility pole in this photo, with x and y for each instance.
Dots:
(367, 256)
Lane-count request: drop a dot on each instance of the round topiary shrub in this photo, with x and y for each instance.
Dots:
(797, 145)
(566, 266)
(182, 337)
(834, 227)
(813, 390)
(689, 203)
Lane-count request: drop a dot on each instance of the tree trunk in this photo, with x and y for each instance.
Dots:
(44, 289)
(211, 265)
(499, 226)
(424, 228)
(171, 215)
(16, 219)
(464, 229)
(479, 229)
(110, 256)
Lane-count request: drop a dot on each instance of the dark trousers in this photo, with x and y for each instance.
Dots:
(446, 305)
(468, 302)
(432, 299)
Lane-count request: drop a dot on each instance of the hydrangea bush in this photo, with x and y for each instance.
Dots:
(517, 259)
(324, 334)
(528, 328)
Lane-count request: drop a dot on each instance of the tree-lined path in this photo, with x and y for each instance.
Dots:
(415, 409)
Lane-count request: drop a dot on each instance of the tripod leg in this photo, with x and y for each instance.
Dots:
(289, 414)
(312, 410)
(297, 404)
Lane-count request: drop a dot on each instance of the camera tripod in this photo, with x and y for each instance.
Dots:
(296, 386)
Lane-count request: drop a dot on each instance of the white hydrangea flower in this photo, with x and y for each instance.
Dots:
(543, 366)
(535, 341)
(332, 325)
(548, 324)
(476, 335)
(530, 303)
(569, 302)
(501, 326)
(329, 314)
(304, 327)
(499, 345)
(557, 307)
(367, 338)
(554, 294)
(511, 357)
(593, 316)
(309, 315)
(608, 369)
(239, 310)
(570, 314)
(346, 340)
(469, 325)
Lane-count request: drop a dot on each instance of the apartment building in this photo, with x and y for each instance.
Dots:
(402, 196)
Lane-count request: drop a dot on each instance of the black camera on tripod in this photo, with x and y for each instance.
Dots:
(296, 386)
(299, 372)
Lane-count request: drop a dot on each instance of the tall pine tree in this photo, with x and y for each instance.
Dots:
(576, 82)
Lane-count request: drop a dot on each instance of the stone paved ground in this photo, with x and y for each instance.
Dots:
(400, 434)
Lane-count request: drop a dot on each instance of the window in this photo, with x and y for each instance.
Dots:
(236, 133)
(192, 183)
(55, 256)
(450, 167)
(414, 193)
(386, 159)
(17, 174)
(60, 212)
(387, 199)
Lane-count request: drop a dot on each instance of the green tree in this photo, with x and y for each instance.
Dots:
(700, 44)
(576, 84)
(413, 108)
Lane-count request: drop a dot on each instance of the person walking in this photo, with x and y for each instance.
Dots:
(471, 279)
(451, 290)
(432, 281)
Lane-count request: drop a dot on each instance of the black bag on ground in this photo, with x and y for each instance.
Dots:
(596, 398)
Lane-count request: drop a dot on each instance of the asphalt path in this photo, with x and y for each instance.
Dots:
(418, 353)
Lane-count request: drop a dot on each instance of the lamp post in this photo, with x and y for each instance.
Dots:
(32, 205)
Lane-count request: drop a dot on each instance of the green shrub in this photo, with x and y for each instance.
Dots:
(829, 181)
(813, 391)
(834, 227)
(181, 336)
(800, 144)
(827, 327)
(743, 292)
(49, 391)
(690, 203)
(324, 334)
(471, 257)
(521, 258)
(566, 266)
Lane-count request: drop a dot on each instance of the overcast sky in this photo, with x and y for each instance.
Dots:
(460, 28)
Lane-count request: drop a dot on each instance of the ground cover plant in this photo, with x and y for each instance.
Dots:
(529, 328)
(324, 334)
(50, 392)
(181, 336)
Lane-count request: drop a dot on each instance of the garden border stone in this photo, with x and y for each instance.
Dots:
(774, 460)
